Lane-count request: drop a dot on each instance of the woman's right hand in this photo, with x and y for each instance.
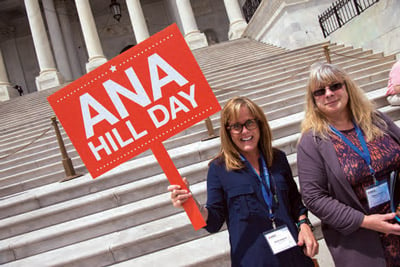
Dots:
(178, 195)
(381, 223)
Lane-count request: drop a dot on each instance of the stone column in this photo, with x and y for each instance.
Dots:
(6, 90)
(68, 38)
(193, 36)
(237, 23)
(92, 40)
(57, 39)
(138, 21)
(49, 76)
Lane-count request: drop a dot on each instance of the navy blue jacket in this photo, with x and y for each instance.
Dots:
(235, 197)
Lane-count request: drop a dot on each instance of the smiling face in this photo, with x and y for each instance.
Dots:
(330, 95)
(247, 140)
(333, 103)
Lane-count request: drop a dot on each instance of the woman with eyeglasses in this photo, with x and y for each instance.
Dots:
(345, 157)
(251, 188)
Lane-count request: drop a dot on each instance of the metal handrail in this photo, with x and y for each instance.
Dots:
(341, 12)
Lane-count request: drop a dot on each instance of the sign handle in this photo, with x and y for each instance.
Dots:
(174, 177)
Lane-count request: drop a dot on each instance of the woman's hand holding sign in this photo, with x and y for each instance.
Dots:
(179, 196)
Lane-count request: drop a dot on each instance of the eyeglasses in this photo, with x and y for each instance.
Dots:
(237, 128)
(322, 91)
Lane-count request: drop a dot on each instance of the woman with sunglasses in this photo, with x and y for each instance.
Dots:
(345, 156)
(251, 188)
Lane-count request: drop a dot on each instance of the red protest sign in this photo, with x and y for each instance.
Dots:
(134, 102)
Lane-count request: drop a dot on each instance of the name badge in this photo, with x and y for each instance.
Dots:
(280, 239)
(377, 194)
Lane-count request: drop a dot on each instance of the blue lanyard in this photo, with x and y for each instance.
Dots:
(364, 154)
(265, 180)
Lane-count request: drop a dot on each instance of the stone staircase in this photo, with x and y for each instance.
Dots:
(124, 217)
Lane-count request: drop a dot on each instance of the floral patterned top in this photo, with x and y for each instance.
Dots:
(385, 157)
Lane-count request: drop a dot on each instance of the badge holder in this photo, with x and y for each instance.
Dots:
(279, 239)
(378, 193)
(395, 194)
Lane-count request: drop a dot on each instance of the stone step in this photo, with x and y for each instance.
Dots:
(119, 246)
(39, 122)
(25, 109)
(47, 206)
(182, 254)
(388, 63)
(224, 52)
(33, 152)
(101, 223)
(115, 198)
(17, 131)
(232, 52)
(276, 63)
(41, 168)
(29, 129)
(21, 167)
(38, 143)
(299, 77)
(298, 108)
(271, 98)
(125, 217)
(54, 239)
(219, 255)
(283, 111)
(38, 107)
(143, 167)
(118, 219)
(47, 160)
(291, 158)
(18, 188)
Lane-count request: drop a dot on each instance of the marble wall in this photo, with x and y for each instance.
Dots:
(377, 28)
(295, 24)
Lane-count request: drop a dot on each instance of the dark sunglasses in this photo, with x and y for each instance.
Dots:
(333, 87)
(237, 128)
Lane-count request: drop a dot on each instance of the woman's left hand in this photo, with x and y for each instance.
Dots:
(307, 239)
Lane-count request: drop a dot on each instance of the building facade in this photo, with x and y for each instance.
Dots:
(47, 43)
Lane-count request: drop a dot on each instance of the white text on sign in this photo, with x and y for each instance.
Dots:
(159, 114)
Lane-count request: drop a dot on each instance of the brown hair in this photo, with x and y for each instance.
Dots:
(229, 152)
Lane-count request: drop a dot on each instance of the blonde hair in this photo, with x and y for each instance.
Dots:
(229, 152)
(361, 109)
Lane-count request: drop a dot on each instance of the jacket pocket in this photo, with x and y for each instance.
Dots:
(242, 201)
